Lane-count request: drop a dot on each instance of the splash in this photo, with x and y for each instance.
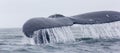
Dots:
(52, 35)
(98, 31)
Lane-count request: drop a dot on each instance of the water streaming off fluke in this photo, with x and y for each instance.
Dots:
(52, 35)
(66, 34)
(98, 31)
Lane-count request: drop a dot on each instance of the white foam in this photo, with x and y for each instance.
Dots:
(27, 40)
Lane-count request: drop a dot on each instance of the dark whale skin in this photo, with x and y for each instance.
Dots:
(98, 17)
(35, 24)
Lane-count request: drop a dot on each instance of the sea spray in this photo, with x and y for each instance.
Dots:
(52, 35)
(28, 41)
(98, 31)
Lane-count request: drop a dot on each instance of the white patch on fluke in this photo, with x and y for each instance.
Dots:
(91, 20)
(107, 15)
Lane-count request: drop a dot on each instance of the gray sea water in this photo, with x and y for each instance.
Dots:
(11, 39)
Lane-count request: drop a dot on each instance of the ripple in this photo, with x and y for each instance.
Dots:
(21, 50)
(3, 44)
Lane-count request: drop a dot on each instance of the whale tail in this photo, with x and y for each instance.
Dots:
(56, 28)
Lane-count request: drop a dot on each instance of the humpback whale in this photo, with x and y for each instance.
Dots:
(55, 25)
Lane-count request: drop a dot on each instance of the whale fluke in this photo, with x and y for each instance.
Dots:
(42, 23)
(57, 28)
(98, 17)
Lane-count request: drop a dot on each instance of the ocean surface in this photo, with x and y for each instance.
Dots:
(11, 41)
